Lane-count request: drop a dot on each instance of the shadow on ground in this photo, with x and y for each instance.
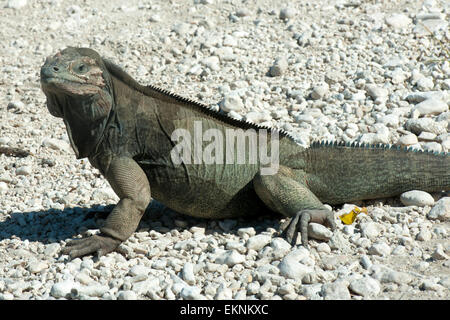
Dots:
(49, 226)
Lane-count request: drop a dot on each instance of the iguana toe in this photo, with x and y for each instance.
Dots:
(299, 223)
(97, 243)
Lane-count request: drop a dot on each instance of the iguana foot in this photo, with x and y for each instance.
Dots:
(102, 244)
(299, 223)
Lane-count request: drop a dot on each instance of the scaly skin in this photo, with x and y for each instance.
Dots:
(126, 130)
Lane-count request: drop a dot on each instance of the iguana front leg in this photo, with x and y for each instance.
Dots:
(130, 183)
(283, 193)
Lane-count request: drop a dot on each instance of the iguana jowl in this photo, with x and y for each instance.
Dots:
(125, 131)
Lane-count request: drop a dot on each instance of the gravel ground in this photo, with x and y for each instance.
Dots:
(345, 70)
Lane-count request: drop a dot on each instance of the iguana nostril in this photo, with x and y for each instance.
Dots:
(55, 68)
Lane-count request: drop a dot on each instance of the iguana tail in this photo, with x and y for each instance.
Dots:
(339, 172)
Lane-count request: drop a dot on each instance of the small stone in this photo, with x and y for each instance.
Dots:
(231, 102)
(426, 124)
(323, 247)
(191, 293)
(366, 287)
(51, 249)
(181, 28)
(56, 144)
(230, 258)
(37, 266)
(416, 198)
(337, 290)
(319, 91)
(243, 12)
(139, 270)
(287, 13)
(430, 107)
(24, 171)
(212, 62)
(392, 276)
(424, 235)
(380, 249)
(425, 84)
(370, 230)
(290, 266)
(398, 21)
(155, 18)
(258, 242)
(279, 67)
(187, 273)
(376, 92)
(439, 253)
(319, 232)
(408, 139)
(126, 295)
(441, 210)
(3, 186)
(365, 262)
(62, 289)
(250, 231)
(16, 4)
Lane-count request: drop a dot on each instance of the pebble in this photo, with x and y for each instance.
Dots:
(380, 249)
(439, 254)
(291, 267)
(279, 67)
(62, 289)
(430, 107)
(440, 210)
(319, 232)
(24, 171)
(366, 287)
(126, 295)
(320, 91)
(377, 93)
(230, 258)
(398, 21)
(187, 273)
(231, 102)
(287, 13)
(16, 4)
(258, 242)
(337, 290)
(416, 198)
(3, 186)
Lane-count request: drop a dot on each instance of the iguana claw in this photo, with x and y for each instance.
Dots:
(101, 244)
(299, 223)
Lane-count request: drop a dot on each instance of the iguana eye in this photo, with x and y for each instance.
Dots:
(81, 68)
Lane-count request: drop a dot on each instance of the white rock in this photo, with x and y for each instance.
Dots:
(426, 124)
(258, 242)
(37, 266)
(337, 290)
(408, 139)
(319, 91)
(212, 62)
(230, 258)
(370, 230)
(424, 235)
(430, 107)
(287, 13)
(425, 84)
(250, 231)
(187, 273)
(323, 247)
(56, 144)
(139, 270)
(398, 21)
(181, 28)
(319, 232)
(51, 249)
(126, 295)
(191, 293)
(93, 290)
(416, 97)
(376, 92)
(290, 266)
(439, 254)
(3, 186)
(24, 171)
(231, 102)
(441, 210)
(397, 277)
(229, 41)
(366, 287)
(62, 289)
(380, 249)
(279, 67)
(416, 198)
(16, 4)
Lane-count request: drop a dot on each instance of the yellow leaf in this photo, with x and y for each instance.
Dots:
(349, 218)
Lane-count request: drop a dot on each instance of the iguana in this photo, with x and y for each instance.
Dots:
(126, 130)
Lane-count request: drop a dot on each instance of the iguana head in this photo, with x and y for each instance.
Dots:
(78, 88)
